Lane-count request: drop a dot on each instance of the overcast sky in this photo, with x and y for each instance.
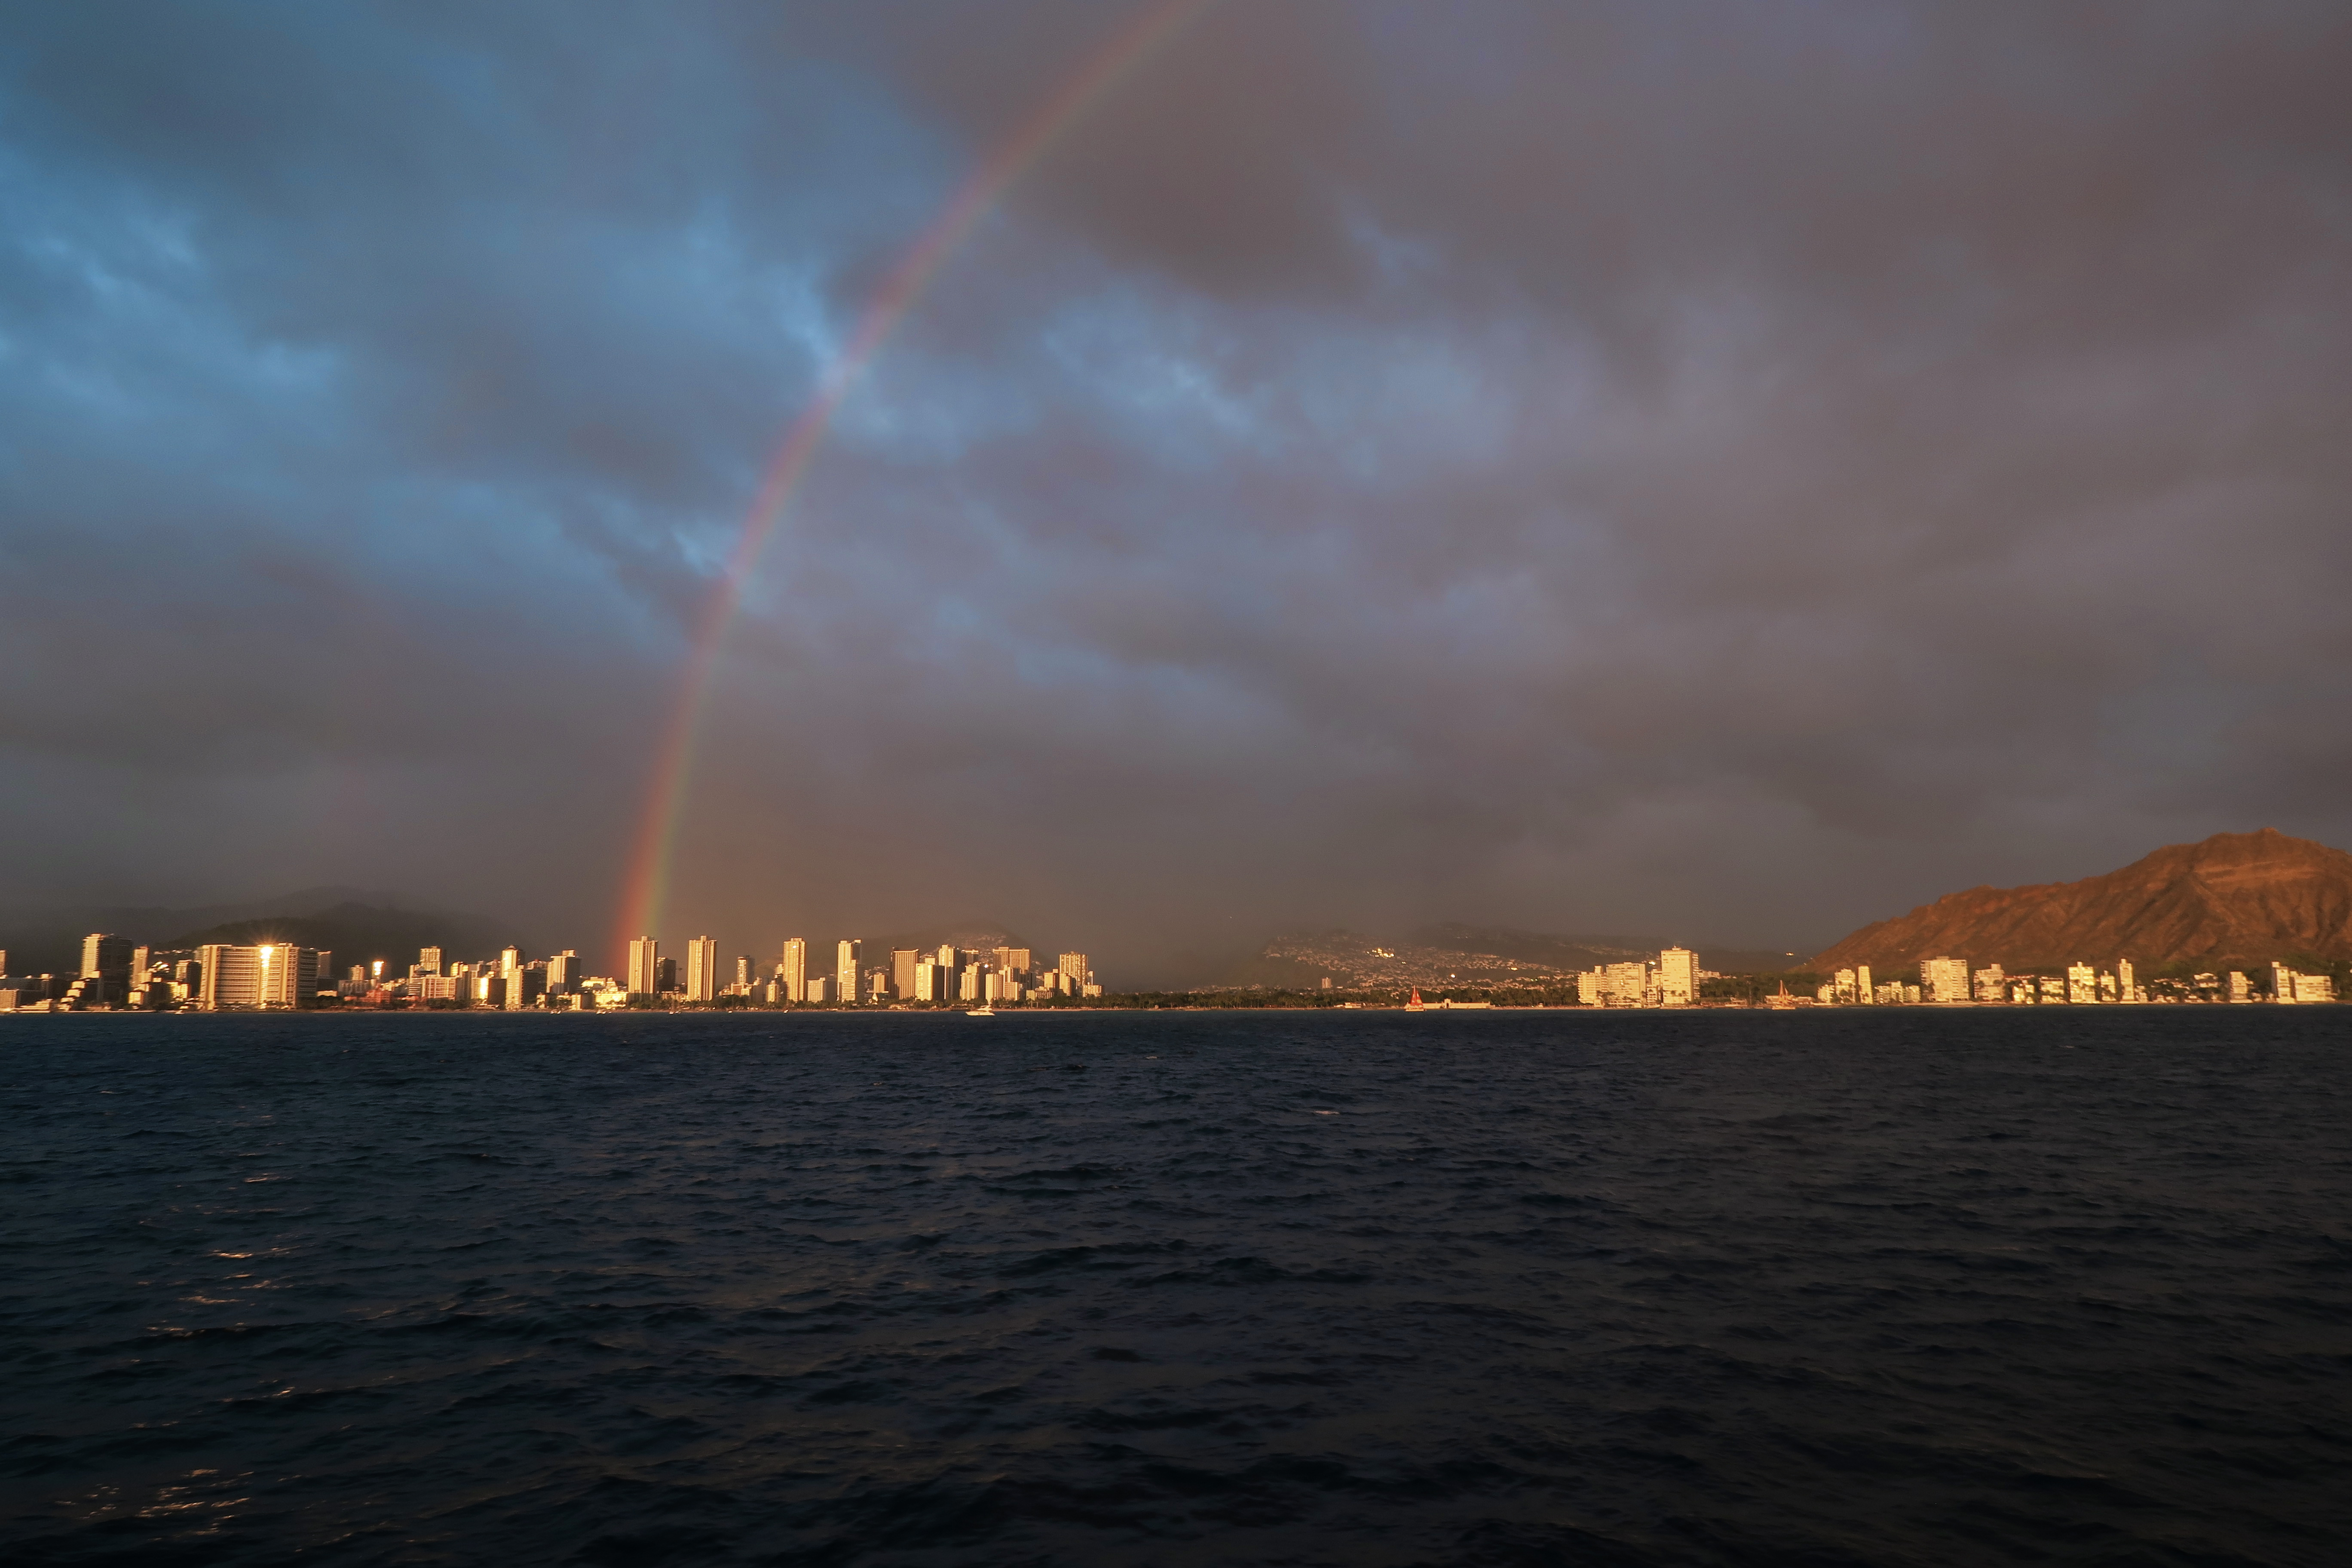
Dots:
(1730, 471)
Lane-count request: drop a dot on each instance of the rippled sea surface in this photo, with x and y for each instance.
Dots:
(1878, 1287)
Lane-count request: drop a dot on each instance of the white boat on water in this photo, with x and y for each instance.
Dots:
(979, 1012)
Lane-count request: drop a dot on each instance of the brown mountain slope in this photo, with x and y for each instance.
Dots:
(2237, 897)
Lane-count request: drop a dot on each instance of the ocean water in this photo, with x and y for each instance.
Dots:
(1883, 1287)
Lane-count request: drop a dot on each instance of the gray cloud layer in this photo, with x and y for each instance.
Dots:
(1712, 468)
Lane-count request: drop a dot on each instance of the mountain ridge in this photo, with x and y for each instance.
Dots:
(2234, 898)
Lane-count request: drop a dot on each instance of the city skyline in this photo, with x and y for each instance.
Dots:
(115, 973)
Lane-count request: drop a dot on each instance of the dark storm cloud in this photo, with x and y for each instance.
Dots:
(1733, 469)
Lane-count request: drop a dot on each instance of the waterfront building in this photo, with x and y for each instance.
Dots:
(1012, 960)
(924, 986)
(2082, 984)
(792, 970)
(1991, 984)
(269, 974)
(845, 969)
(1073, 965)
(105, 957)
(644, 977)
(702, 969)
(105, 967)
(2288, 985)
(1625, 984)
(1946, 980)
(564, 973)
(1677, 977)
(1588, 986)
(428, 959)
(1862, 982)
(817, 988)
(902, 970)
(967, 983)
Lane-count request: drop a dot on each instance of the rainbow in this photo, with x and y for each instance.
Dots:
(645, 888)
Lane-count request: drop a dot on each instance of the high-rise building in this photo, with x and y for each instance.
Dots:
(1624, 985)
(702, 969)
(1677, 977)
(2082, 982)
(2126, 983)
(1991, 983)
(510, 960)
(968, 983)
(946, 956)
(564, 973)
(1861, 992)
(1945, 979)
(1074, 965)
(845, 968)
(271, 975)
(106, 962)
(902, 970)
(644, 966)
(817, 988)
(2289, 986)
(666, 976)
(742, 986)
(428, 959)
(792, 969)
(927, 983)
(1588, 986)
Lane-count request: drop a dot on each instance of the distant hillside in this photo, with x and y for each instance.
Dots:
(359, 933)
(1458, 954)
(2235, 899)
(1574, 952)
(978, 936)
(49, 941)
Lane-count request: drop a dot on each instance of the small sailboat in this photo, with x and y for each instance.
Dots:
(1416, 1005)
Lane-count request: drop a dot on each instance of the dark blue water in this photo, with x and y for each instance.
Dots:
(2063, 1285)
